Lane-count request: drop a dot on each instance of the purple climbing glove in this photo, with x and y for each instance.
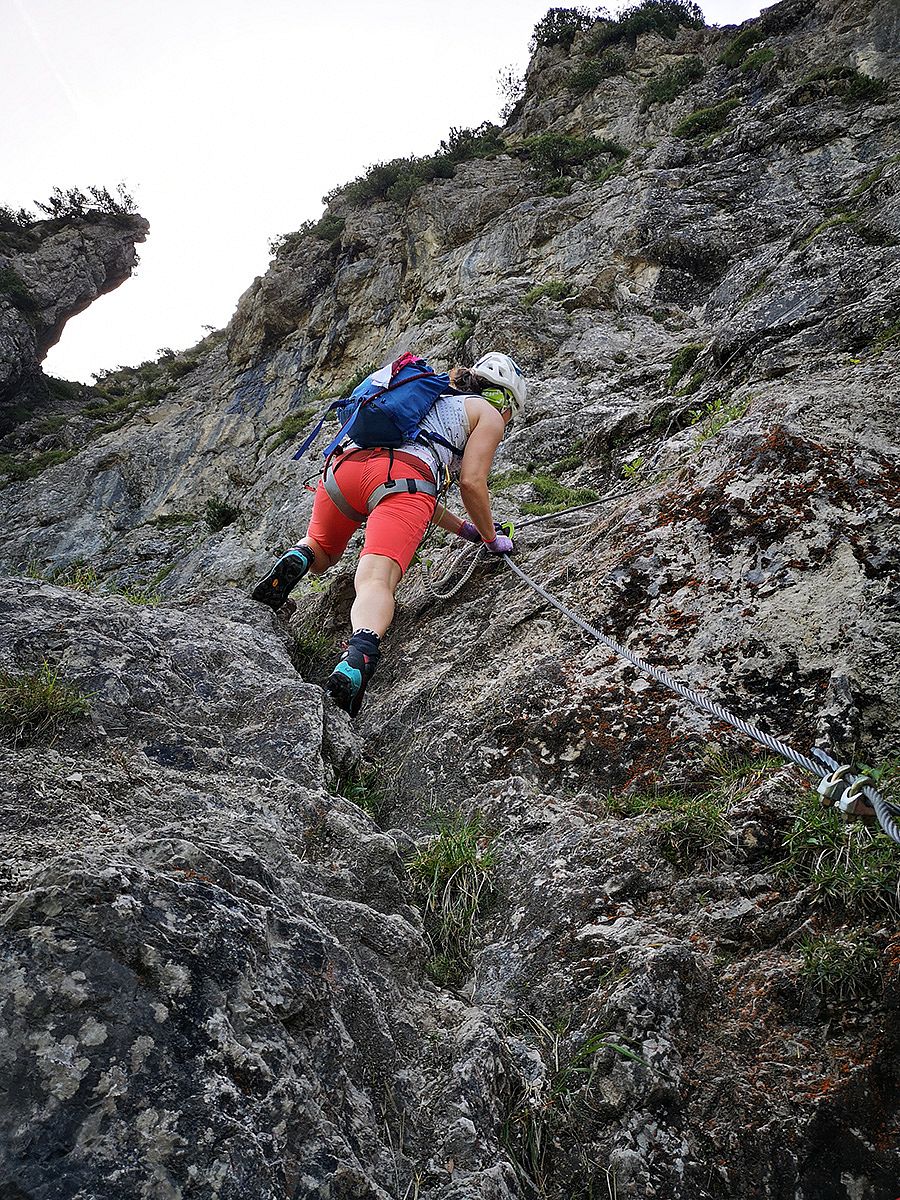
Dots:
(501, 545)
(468, 532)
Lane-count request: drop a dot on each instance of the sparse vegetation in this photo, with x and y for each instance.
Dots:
(631, 470)
(36, 701)
(558, 158)
(468, 319)
(173, 520)
(840, 968)
(398, 179)
(13, 288)
(77, 575)
(561, 26)
(16, 470)
(738, 48)
(286, 430)
(554, 289)
(843, 82)
(350, 384)
(426, 313)
(664, 17)
(554, 495)
(849, 866)
(595, 70)
(756, 60)
(364, 786)
(219, 513)
(451, 877)
(328, 228)
(714, 416)
(684, 827)
(71, 203)
(544, 1112)
(688, 826)
(310, 644)
(706, 120)
(682, 363)
(511, 86)
(672, 82)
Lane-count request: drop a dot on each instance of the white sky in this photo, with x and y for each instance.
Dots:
(229, 119)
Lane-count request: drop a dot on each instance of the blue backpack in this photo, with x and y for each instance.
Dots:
(387, 408)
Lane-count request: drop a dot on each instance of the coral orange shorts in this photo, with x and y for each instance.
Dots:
(397, 524)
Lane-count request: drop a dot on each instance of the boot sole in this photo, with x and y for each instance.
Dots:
(274, 590)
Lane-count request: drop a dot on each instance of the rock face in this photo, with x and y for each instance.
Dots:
(221, 976)
(51, 271)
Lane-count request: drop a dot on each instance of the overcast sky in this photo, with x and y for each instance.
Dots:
(229, 119)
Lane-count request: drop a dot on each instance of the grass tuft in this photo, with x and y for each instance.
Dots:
(848, 866)
(840, 968)
(714, 416)
(219, 513)
(705, 120)
(554, 289)
(451, 878)
(37, 701)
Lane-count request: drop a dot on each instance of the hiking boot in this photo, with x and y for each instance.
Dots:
(347, 682)
(285, 575)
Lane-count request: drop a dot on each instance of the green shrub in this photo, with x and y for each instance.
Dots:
(16, 291)
(554, 495)
(426, 314)
(845, 83)
(665, 17)
(12, 220)
(554, 289)
(450, 875)
(595, 70)
(220, 513)
(17, 470)
(555, 155)
(398, 179)
(468, 319)
(757, 60)
(560, 27)
(73, 202)
(36, 701)
(849, 867)
(840, 968)
(705, 120)
(682, 363)
(738, 47)
(292, 426)
(364, 787)
(714, 416)
(672, 82)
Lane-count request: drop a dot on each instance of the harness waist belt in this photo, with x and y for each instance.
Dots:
(392, 488)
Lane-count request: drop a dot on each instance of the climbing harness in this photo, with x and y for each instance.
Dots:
(391, 487)
(838, 785)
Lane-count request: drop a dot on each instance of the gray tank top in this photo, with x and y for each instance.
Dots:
(448, 417)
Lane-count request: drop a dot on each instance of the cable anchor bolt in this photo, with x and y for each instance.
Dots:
(847, 792)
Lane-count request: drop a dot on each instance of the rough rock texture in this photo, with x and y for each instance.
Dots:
(636, 1021)
(61, 266)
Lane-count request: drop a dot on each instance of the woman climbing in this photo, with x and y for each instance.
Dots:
(395, 494)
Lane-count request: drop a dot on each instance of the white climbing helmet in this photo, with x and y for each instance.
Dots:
(500, 369)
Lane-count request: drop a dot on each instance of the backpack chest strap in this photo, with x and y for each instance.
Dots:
(393, 487)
